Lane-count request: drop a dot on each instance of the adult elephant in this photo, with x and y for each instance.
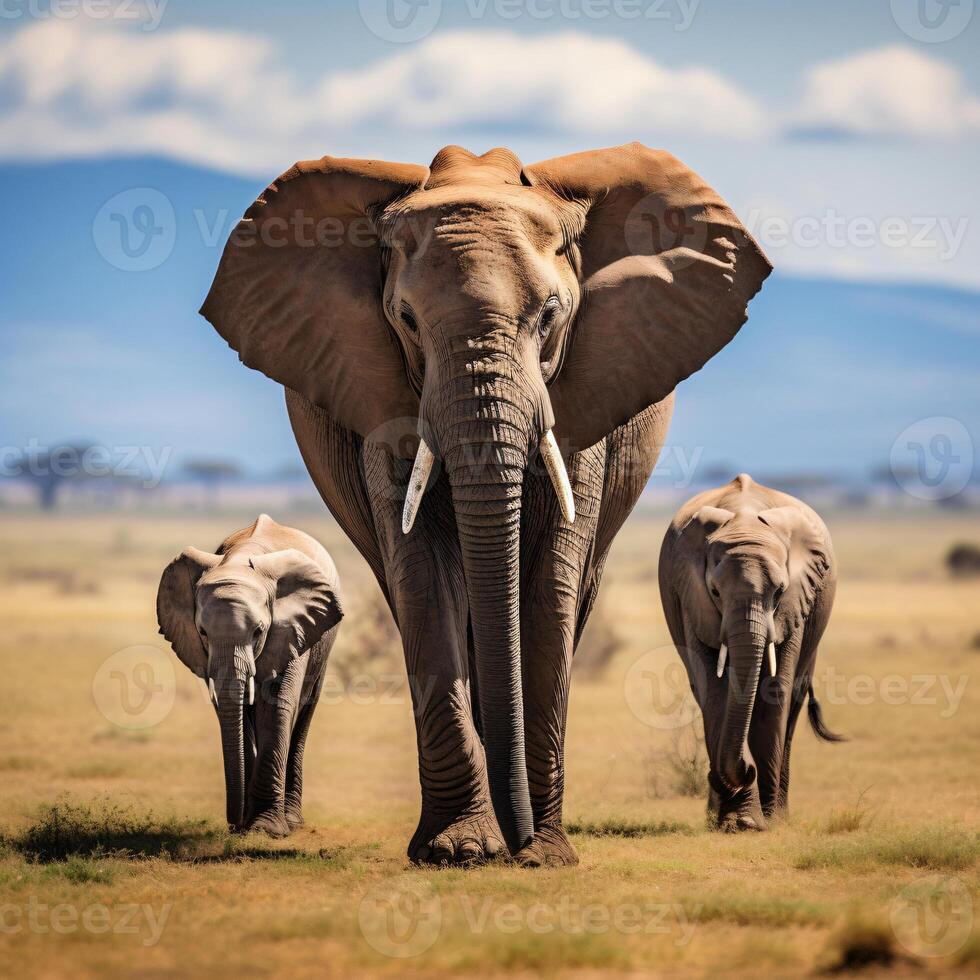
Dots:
(526, 327)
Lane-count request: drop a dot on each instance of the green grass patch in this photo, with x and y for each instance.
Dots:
(934, 848)
(628, 828)
(757, 910)
(82, 871)
(65, 830)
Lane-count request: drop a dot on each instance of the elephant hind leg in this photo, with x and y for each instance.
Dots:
(294, 767)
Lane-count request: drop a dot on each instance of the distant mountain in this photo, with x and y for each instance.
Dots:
(823, 377)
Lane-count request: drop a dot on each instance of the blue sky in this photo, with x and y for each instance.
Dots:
(846, 135)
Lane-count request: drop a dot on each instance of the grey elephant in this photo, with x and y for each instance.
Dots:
(747, 580)
(518, 332)
(256, 620)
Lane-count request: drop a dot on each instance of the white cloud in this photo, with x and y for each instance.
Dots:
(498, 78)
(891, 91)
(223, 98)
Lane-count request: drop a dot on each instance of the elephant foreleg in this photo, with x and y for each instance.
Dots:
(424, 577)
(297, 746)
(555, 557)
(276, 709)
(769, 730)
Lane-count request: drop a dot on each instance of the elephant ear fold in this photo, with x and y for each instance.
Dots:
(667, 271)
(175, 606)
(691, 545)
(298, 292)
(707, 520)
(306, 599)
(808, 561)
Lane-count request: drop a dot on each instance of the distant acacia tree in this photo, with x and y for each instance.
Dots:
(49, 470)
(211, 473)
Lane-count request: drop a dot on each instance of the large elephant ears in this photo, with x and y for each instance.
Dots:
(306, 603)
(690, 548)
(175, 607)
(667, 272)
(810, 559)
(298, 292)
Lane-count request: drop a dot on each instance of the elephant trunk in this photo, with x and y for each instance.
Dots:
(230, 670)
(747, 633)
(485, 440)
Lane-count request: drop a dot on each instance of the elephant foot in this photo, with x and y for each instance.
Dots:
(550, 848)
(464, 841)
(740, 812)
(271, 822)
(294, 813)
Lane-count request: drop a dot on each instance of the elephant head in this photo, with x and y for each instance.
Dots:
(749, 580)
(517, 313)
(222, 618)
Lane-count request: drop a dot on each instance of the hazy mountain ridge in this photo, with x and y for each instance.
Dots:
(823, 377)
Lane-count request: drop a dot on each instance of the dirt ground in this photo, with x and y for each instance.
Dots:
(115, 859)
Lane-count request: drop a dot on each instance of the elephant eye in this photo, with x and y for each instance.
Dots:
(408, 319)
(203, 632)
(777, 595)
(258, 632)
(549, 314)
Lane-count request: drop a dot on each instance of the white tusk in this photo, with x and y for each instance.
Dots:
(772, 658)
(416, 485)
(559, 476)
(722, 657)
(251, 690)
(212, 693)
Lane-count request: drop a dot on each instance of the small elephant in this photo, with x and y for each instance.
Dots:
(747, 580)
(261, 614)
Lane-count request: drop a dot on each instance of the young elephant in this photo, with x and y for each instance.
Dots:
(257, 620)
(747, 579)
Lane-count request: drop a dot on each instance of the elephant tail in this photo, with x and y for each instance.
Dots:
(815, 714)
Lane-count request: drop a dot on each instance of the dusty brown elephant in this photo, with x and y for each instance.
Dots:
(257, 620)
(747, 581)
(524, 328)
